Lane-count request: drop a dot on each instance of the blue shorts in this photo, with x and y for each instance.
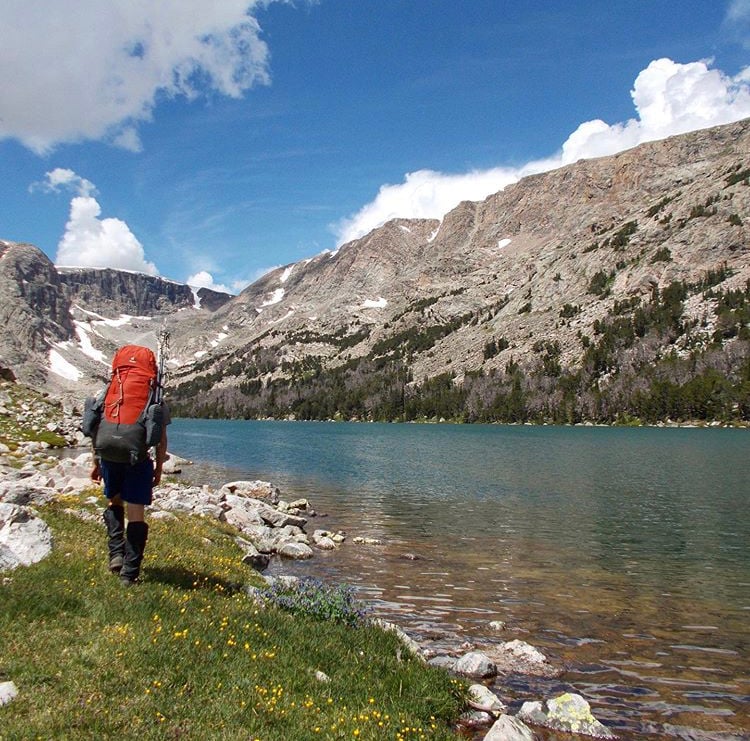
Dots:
(134, 484)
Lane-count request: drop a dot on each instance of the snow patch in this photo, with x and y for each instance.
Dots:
(196, 297)
(219, 337)
(61, 367)
(434, 234)
(90, 313)
(200, 353)
(404, 228)
(86, 346)
(285, 275)
(276, 296)
(379, 303)
(122, 321)
(503, 243)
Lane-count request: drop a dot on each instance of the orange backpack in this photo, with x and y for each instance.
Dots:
(133, 382)
(127, 419)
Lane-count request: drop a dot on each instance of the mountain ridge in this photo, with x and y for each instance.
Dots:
(510, 265)
(567, 296)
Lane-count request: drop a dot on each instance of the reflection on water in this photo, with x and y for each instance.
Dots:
(620, 552)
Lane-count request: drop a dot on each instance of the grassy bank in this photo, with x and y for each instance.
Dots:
(187, 654)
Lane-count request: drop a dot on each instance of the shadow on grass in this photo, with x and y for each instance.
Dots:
(176, 576)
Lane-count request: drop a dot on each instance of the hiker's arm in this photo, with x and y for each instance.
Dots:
(161, 456)
(96, 474)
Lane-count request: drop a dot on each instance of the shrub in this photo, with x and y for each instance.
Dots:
(316, 599)
(662, 255)
(569, 310)
(621, 238)
(600, 283)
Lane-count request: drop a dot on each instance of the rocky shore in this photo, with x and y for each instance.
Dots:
(267, 527)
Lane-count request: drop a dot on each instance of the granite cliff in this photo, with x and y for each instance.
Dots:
(60, 325)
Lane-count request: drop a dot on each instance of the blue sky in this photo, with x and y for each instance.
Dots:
(212, 144)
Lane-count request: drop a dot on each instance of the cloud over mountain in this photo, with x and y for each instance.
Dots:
(89, 241)
(669, 98)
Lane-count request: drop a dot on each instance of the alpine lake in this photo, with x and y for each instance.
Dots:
(623, 554)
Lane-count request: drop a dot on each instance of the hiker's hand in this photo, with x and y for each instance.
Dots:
(96, 474)
(157, 475)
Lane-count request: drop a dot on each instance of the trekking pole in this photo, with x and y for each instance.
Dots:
(162, 355)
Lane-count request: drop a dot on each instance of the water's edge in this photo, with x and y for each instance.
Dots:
(638, 614)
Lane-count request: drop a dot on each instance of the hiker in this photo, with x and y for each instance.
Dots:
(124, 422)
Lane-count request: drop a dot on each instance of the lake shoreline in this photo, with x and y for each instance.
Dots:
(296, 452)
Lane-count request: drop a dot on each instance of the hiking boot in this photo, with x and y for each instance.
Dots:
(114, 519)
(135, 543)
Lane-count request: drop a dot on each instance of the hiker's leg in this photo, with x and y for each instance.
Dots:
(137, 493)
(114, 516)
(136, 512)
(114, 520)
(136, 536)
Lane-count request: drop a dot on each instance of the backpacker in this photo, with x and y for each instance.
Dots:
(127, 419)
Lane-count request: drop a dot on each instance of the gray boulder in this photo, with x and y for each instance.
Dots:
(8, 692)
(296, 551)
(475, 664)
(522, 658)
(508, 728)
(24, 538)
(486, 699)
(253, 489)
(276, 518)
(259, 561)
(443, 662)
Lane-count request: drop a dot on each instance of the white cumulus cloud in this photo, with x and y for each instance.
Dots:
(669, 98)
(62, 178)
(89, 241)
(204, 279)
(96, 71)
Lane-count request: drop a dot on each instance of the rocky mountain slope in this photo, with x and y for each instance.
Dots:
(563, 297)
(59, 327)
(609, 289)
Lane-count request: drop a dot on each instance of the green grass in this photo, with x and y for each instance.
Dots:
(187, 654)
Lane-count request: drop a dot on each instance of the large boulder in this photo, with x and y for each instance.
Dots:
(255, 489)
(519, 657)
(475, 664)
(508, 728)
(569, 713)
(24, 538)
